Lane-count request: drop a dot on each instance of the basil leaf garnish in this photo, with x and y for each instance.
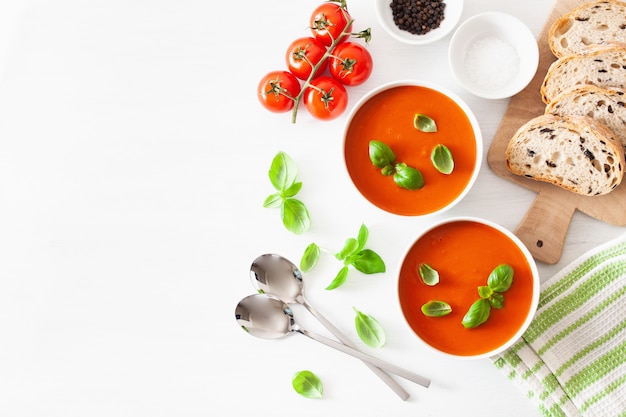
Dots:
(362, 236)
(407, 177)
(310, 257)
(424, 123)
(367, 261)
(340, 279)
(348, 249)
(477, 314)
(497, 300)
(501, 278)
(307, 384)
(282, 171)
(369, 330)
(381, 154)
(295, 216)
(484, 291)
(436, 309)
(441, 157)
(429, 275)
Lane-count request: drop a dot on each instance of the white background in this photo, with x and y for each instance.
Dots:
(133, 167)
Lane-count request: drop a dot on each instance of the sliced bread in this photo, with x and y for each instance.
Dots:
(606, 105)
(601, 65)
(595, 22)
(576, 153)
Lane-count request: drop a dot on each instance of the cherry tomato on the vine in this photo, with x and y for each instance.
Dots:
(326, 98)
(328, 20)
(277, 91)
(303, 54)
(351, 63)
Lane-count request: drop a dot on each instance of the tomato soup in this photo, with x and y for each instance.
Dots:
(388, 117)
(464, 252)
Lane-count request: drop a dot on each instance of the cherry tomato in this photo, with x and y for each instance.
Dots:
(277, 90)
(351, 63)
(303, 54)
(328, 20)
(326, 98)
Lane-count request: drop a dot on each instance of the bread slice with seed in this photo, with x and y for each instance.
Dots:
(606, 105)
(595, 22)
(576, 153)
(600, 65)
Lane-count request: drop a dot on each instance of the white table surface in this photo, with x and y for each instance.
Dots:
(133, 167)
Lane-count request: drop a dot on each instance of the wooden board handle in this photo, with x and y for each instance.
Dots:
(545, 226)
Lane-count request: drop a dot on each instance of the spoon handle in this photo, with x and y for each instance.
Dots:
(392, 383)
(367, 358)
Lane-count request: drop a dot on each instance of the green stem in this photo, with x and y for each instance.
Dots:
(317, 66)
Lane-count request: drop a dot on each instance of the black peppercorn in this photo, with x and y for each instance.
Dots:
(418, 16)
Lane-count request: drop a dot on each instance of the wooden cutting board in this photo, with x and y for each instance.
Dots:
(544, 227)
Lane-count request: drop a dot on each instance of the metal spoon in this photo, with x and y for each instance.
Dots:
(276, 275)
(267, 317)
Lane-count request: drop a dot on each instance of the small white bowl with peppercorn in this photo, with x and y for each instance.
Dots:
(419, 22)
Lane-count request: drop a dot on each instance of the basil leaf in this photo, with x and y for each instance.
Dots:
(501, 278)
(381, 154)
(295, 216)
(441, 157)
(310, 257)
(339, 280)
(307, 384)
(429, 275)
(424, 123)
(388, 170)
(484, 291)
(477, 314)
(366, 261)
(436, 309)
(350, 247)
(273, 201)
(292, 190)
(369, 330)
(497, 300)
(362, 237)
(408, 178)
(283, 171)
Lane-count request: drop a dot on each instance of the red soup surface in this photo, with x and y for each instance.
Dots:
(388, 117)
(464, 253)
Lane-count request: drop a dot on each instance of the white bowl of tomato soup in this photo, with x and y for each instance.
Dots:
(387, 115)
(465, 252)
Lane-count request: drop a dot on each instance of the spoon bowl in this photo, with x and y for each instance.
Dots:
(266, 317)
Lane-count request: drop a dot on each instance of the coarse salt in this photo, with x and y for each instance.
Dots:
(491, 63)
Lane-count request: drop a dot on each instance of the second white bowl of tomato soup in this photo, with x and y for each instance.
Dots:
(412, 148)
(468, 288)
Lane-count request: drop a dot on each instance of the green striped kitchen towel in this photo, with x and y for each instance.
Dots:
(572, 359)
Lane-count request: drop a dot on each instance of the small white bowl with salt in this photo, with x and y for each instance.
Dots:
(494, 55)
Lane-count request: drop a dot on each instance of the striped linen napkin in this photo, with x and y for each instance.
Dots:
(572, 359)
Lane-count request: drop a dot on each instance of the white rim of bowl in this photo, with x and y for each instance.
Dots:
(459, 101)
(533, 60)
(385, 17)
(536, 286)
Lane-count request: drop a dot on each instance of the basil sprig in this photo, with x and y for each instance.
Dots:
(307, 384)
(352, 254)
(404, 176)
(293, 212)
(499, 281)
(369, 330)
